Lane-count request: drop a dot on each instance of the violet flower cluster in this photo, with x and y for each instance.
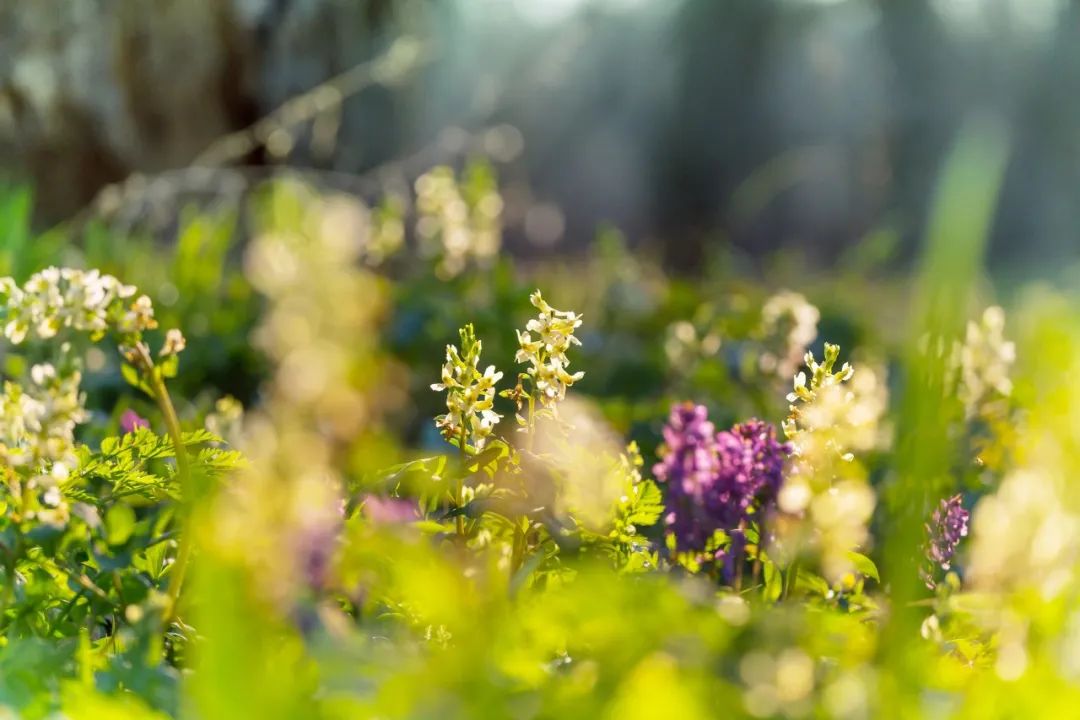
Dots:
(717, 480)
(947, 526)
(689, 467)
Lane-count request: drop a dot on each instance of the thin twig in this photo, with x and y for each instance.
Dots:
(405, 55)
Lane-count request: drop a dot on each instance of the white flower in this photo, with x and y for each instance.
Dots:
(174, 343)
(139, 317)
(819, 404)
(470, 395)
(458, 222)
(546, 354)
(788, 326)
(80, 300)
(829, 417)
(984, 362)
(37, 422)
(38, 417)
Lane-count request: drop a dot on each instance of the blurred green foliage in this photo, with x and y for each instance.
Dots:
(350, 562)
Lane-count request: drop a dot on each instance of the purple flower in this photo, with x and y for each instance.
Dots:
(389, 511)
(716, 480)
(689, 467)
(130, 421)
(947, 525)
(731, 556)
(751, 471)
(316, 536)
(765, 457)
(315, 548)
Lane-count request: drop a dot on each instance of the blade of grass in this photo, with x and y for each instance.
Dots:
(951, 263)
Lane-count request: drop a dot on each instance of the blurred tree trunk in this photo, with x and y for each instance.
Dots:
(92, 90)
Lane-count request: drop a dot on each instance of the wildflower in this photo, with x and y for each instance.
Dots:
(751, 470)
(470, 395)
(585, 452)
(826, 500)
(983, 362)
(689, 466)
(82, 300)
(386, 233)
(314, 544)
(546, 353)
(38, 420)
(139, 317)
(389, 511)
(130, 421)
(947, 526)
(807, 398)
(38, 415)
(716, 480)
(690, 342)
(458, 222)
(226, 419)
(978, 368)
(750, 474)
(174, 343)
(282, 517)
(788, 326)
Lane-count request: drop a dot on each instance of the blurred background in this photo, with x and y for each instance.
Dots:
(816, 127)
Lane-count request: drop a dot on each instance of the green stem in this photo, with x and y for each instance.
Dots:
(532, 423)
(461, 487)
(790, 578)
(7, 598)
(183, 471)
(517, 558)
(520, 546)
(739, 557)
(757, 553)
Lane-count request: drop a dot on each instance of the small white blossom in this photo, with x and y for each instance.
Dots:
(39, 414)
(174, 343)
(458, 222)
(788, 325)
(139, 317)
(819, 402)
(470, 394)
(80, 300)
(826, 488)
(546, 353)
(984, 362)
(38, 421)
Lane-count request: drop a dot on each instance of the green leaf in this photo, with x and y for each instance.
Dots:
(429, 468)
(134, 379)
(648, 506)
(488, 458)
(199, 436)
(864, 565)
(774, 580)
(811, 582)
(154, 560)
(169, 366)
(433, 527)
(110, 445)
(119, 524)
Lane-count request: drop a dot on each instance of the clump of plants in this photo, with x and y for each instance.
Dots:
(520, 555)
